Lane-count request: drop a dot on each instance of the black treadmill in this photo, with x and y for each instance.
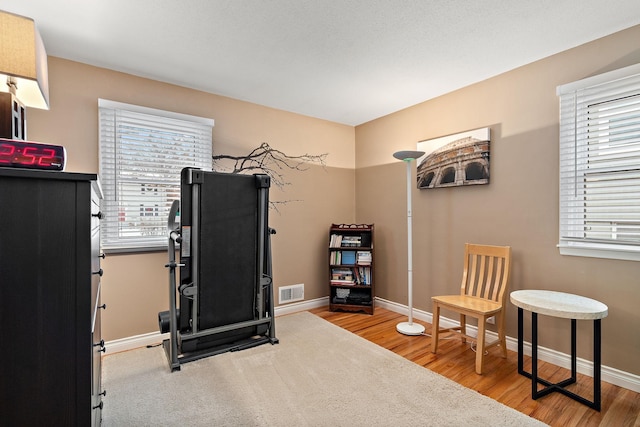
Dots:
(224, 299)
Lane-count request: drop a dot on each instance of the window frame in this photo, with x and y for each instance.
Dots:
(572, 169)
(116, 187)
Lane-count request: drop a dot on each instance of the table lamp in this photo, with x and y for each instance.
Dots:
(23, 66)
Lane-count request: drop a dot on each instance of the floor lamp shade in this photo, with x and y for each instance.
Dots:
(409, 328)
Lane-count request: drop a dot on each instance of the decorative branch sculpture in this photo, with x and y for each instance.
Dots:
(268, 160)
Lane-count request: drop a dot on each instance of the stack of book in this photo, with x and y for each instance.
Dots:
(342, 276)
(351, 241)
(335, 241)
(363, 258)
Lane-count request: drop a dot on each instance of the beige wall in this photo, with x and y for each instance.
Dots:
(135, 286)
(518, 208)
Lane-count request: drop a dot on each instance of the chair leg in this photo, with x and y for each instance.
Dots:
(501, 334)
(463, 327)
(435, 327)
(480, 345)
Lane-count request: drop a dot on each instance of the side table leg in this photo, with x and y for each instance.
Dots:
(574, 354)
(597, 363)
(534, 355)
(520, 342)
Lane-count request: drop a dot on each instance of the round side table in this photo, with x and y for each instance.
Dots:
(568, 306)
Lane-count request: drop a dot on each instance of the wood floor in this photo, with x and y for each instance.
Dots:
(456, 361)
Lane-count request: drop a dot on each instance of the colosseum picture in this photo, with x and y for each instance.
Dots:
(454, 160)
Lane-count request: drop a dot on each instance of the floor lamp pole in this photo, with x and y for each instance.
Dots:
(409, 328)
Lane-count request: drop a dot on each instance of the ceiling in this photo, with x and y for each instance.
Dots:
(347, 61)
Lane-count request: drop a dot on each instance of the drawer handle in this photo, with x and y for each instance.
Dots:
(98, 406)
(99, 272)
(103, 256)
(104, 393)
(101, 345)
(98, 215)
(103, 306)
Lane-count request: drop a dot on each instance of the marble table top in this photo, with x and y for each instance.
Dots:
(559, 304)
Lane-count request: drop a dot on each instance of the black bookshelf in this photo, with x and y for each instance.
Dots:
(351, 268)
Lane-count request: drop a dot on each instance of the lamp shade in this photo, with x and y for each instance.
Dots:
(23, 60)
(408, 156)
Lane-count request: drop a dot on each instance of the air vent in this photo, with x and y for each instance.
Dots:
(291, 293)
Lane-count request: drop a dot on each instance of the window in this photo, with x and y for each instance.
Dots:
(600, 165)
(142, 152)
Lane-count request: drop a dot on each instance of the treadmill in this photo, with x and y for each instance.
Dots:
(223, 299)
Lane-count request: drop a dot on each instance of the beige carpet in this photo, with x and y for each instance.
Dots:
(319, 375)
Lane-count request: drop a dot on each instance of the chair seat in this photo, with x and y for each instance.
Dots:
(470, 304)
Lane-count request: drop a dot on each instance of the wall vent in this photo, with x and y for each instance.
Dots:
(291, 293)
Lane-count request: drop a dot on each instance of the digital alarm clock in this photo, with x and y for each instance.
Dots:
(31, 155)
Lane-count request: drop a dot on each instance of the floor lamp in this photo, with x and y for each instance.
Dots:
(409, 328)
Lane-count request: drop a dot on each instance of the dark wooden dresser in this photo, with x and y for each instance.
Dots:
(50, 341)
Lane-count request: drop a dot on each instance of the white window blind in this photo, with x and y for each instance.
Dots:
(142, 152)
(600, 166)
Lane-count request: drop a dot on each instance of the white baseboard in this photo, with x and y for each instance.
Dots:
(611, 375)
(136, 341)
(295, 307)
(154, 338)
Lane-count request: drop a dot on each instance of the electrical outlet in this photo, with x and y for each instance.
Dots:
(492, 320)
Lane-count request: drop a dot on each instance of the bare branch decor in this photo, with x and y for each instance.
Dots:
(268, 160)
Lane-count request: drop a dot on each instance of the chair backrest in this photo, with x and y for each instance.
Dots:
(486, 271)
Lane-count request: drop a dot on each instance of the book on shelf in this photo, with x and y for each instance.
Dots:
(348, 257)
(359, 277)
(342, 276)
(351, 276)
(362, 275)
(363, 258)
(343, 282)
(335, 241)
(335, 258)
(351, 241)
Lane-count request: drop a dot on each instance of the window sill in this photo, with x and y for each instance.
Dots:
(600, 251)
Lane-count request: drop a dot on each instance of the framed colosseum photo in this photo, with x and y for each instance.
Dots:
(454, 160)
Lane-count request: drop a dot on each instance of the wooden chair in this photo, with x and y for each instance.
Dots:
(485, 279)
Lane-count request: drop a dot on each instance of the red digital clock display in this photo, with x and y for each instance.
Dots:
(31, 155)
